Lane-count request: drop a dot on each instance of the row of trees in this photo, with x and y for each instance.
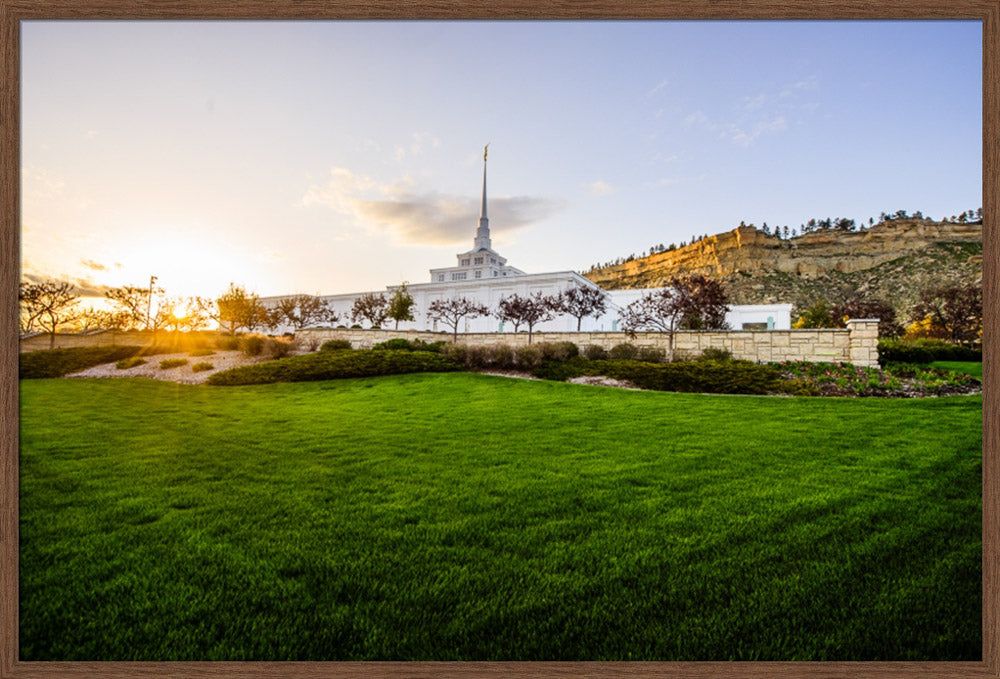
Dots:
(953, 313)
(529, 310)
(826, 224)
(51, 306)
(684, 303)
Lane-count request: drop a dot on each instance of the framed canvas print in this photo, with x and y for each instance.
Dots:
(439, 340)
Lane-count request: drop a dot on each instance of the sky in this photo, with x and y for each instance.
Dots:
(326, 157)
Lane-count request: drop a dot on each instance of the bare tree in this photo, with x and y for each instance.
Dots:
(581, 302)
(694, 302)
(530, 311)
(301, 311)
(131, 303)
(48, 306)
(371, 306)
(452, 311)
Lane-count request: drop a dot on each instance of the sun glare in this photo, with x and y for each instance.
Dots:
(185, 266)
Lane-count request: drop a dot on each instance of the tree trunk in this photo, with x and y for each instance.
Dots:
(671, 344)
(579, 320)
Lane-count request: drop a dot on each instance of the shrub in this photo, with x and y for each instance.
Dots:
(595, 352)
(651, 355)
(501, 356)
(228, 343)
(558, 351)
(562, 370)
(528, 357)
(201, 352)
(403, 344)
(168, 363)
(132, 362)
(251, 345)
(714, 354)
(335, 345)
(623, 351)
(710, 377)
(455, 352)
(201, 367)
(923, 351)
(277, 348)
(477, 357)
(335, 365)
(59, 362)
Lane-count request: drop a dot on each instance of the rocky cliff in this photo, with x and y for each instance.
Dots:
(892, 261)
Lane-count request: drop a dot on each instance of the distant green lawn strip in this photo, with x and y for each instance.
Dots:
(966, 367)
(468, 517)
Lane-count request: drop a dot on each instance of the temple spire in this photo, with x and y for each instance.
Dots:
(483, 232)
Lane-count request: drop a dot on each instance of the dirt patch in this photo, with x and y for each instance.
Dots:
(602, 381)
(220, 360)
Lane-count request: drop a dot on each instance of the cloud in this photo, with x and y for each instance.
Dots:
(91, 264)
(84, 286)
(697, 118)
(745, 138)
(660, 158)
(659, 86)
(755, 103)
(599, 188)
(423, 217)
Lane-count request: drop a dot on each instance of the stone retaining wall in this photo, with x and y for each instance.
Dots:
(857, 344)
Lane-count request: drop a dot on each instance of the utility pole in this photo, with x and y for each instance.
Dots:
(149, 301)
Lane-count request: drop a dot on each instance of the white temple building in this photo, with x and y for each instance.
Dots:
(483, 275)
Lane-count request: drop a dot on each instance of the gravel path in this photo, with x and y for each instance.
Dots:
(220, 360)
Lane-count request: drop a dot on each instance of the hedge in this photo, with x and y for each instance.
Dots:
(331, 365)
(923, 351)
(59, 362)
(702, 376)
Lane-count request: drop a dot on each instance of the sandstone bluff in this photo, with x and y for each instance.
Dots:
(891, 261)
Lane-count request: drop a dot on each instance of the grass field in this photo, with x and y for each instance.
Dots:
(968, 367)
(469, 517)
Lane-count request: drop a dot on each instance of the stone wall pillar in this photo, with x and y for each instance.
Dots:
(864, 341)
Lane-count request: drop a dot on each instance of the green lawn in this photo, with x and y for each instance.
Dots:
(968, 367)
(470, 517)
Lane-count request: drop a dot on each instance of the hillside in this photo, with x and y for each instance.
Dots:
(891, 261)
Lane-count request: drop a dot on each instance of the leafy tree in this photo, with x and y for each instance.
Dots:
(580, 302)
(401, 305)
(859, 307)
(47, 305)
(452, 311)
(816, 316)
(955, 311)
(237, 308)
(301, 311)
(372, 307)
(706, 302)
(530, 310)
(695, 302)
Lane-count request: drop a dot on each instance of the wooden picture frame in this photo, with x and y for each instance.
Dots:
(14, 11)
